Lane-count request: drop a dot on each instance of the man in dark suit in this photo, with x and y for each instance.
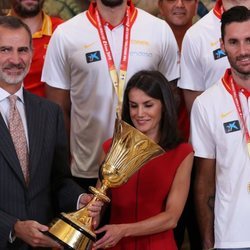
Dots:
(31, 193)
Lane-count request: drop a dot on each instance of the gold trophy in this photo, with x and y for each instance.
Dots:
(130, 150)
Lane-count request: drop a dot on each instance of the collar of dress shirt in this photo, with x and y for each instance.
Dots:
(4, 94)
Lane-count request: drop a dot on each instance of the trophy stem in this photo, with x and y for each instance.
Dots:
(100, 193)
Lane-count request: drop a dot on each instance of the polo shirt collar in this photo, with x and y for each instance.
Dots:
(226, 82)
(92, 9)
(46, 27)
(218, 9)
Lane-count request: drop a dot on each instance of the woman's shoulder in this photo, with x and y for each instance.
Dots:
(185, 146)
(174, 157)
(183, 149)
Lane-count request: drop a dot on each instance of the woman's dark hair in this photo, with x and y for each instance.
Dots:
(237, 14)
(155, 85)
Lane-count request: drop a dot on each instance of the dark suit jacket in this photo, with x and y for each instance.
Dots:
(50, 183)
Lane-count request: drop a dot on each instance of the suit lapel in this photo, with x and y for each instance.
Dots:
(8, 150)
(35, 123)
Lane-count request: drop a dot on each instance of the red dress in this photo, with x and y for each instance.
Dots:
(144, 196)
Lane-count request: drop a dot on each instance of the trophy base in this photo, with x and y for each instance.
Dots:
(70, 235)
(52, 236)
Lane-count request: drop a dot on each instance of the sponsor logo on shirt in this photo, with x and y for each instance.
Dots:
(94, 56)
(212, 44)
(223, 115)
(87, 46)
(218, 54)
(141, 54)
(232, 126)
(140, 42)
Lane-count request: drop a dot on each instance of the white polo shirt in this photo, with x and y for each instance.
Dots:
(202, 61)
(67, 66)
(216, 133)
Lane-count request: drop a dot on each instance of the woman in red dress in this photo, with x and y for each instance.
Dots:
(145, 210)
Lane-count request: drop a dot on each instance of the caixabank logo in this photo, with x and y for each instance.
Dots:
(231, 126)
(218, 54)
(94, 56)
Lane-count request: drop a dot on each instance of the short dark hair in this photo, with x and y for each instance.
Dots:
(12, 22)
(155, 85)
(237, 14)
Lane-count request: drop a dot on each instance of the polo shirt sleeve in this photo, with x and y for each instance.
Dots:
(170, 62)
(201, 136)
(56, 70)
(191, 66)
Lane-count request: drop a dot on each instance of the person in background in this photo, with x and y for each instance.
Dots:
(220, 137)
(88, 56)
(35, 178)
(179, 15)
(145, 210)
(202, 60)
(42, 26)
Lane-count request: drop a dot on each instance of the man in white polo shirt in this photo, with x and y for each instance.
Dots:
(202, 60)
(111, 37)
(220, 123)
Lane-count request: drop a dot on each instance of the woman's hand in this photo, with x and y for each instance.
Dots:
(113, 234)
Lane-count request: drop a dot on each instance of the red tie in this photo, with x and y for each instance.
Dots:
(18, 136)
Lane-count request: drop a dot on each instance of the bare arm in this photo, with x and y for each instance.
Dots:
(189, 96)
(162, 221)
(204, 192)
(61, 97)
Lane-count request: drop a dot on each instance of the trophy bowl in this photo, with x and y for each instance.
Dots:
(129, 151)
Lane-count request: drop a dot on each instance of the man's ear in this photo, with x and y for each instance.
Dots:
(222, 45)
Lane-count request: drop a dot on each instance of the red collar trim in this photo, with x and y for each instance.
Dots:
(92, 9)
(218, 9)
(226, 82)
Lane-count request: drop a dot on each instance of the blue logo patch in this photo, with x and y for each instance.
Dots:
(232, 126)
(94, 56)
(218, 54)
